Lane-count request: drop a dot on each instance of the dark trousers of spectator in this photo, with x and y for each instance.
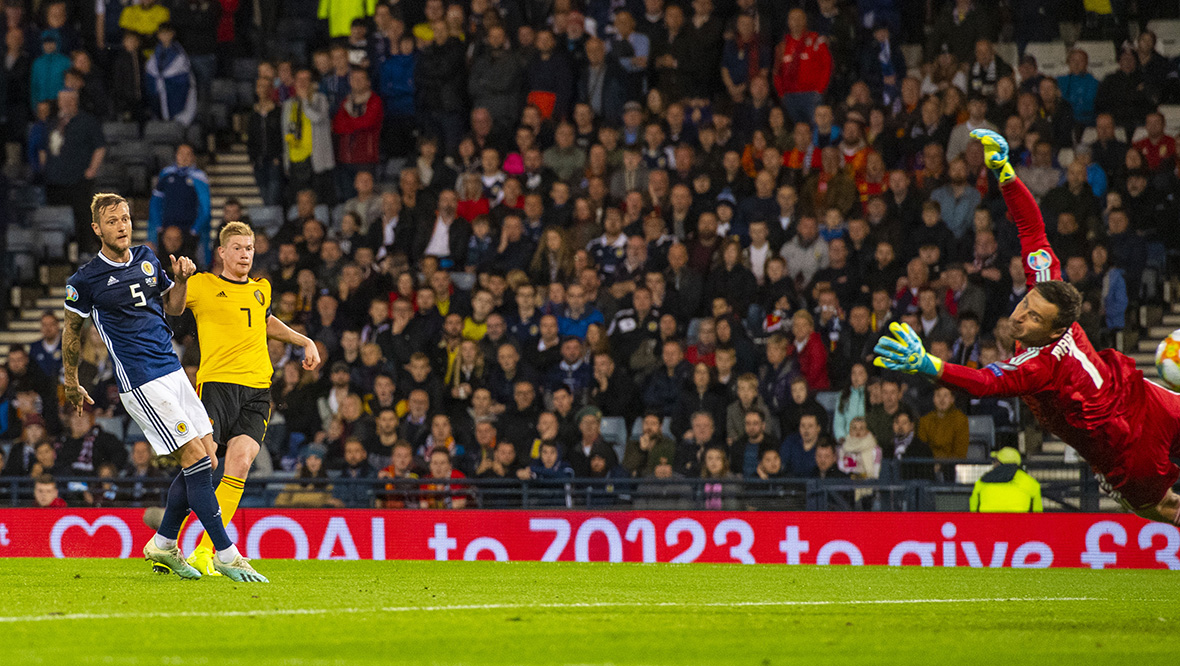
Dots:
(204, 69)
(77, 197)
(397, 137)
(346, 176)
(270, 182)
(447, 126)
(801, 106)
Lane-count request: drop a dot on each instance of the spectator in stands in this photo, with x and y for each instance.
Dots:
(496, 78)
(959, 26)
(367, 203)
(652, 449)
(1158, 149)
(49, 70)
(264, 143)
(144, 19)
(87, 446)
(810, 354)
(308, 158)
(986, 70)
(690, 449)
(851, 403)
(71, 162)
(356, 468)
(171, 87)
(181, 199)
(802, 68)
(798, 449)
(46, 352)
(1122, 94)
(945, 428)
(127, 78)
(45, 494)
(1079, 87)
(357, 128)
(1006, 488)
(440, 82)
(311, 488)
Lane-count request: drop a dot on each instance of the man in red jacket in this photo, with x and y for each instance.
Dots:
(802, 68)
(357, 126)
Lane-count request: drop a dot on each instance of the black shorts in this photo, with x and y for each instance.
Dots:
(235, 410)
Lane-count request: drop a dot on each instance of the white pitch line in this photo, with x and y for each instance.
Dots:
(575, 605)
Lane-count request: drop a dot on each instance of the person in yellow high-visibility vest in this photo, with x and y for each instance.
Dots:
(1006, 488)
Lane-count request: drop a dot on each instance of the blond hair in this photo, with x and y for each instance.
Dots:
(101, 201)
(232, 229)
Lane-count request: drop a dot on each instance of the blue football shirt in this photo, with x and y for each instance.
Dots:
(125, 301)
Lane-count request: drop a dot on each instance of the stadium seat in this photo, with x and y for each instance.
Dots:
(1171, 114)
(268, 219)
(224, 91)
(164, 132)
(22, 250)
(51, 243)
(1050, 57)
(112, 177)
(48, 218)
(913, 55)
(245, 69)
(26, 198)
(162, 156)
(134, 152)
(982, 433)
(245, 93)
(337, 215)
(614, 431)
(1103, 59)
(1008, 52)
(118, 132)
(322, 213)
(828, 400)
(219, 116)
(1167, 33)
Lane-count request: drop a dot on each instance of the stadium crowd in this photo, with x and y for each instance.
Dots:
(602, 238)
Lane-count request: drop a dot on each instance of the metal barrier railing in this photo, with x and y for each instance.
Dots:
(945, 485)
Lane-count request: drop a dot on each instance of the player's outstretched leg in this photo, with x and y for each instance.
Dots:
(202, 499)
(162, 548)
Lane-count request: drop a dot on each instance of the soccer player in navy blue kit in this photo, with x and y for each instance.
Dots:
(126, 294)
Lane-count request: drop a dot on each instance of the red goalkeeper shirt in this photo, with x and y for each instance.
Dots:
(1097, 402)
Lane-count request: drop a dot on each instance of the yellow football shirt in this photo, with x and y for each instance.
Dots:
(231, 329)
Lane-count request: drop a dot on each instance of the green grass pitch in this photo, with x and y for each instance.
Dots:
(117, 612)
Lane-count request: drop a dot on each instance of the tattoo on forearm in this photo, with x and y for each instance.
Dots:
(71, 344)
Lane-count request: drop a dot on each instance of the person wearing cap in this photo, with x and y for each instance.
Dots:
(590, 444)
(311, 488)
(1006, 488)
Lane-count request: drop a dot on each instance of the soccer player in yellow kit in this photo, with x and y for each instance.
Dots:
(234, 321)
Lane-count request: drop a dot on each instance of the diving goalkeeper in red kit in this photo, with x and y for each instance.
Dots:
(1097, 402)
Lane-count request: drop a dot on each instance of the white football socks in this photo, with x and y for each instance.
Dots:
(228, 555)
(164, 544)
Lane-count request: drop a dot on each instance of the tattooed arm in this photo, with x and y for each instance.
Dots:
(71, 347)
